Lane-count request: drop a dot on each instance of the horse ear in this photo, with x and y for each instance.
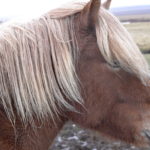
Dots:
(89, 14)
(106, 4)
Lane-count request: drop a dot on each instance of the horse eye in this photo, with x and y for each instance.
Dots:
(116, 65)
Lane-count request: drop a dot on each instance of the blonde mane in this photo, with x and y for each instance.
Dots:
(117, 46)
(38, 67)
(37, 61)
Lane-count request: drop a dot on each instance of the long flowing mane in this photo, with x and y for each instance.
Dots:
(38, 67)
(38, 60)
(117, 46)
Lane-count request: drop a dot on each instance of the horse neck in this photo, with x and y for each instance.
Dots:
(36, 137)
(42, 137)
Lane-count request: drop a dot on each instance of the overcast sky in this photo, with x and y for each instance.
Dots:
(37, 7)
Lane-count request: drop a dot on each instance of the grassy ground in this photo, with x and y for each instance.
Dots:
(135, 18)
(147, 56)
(72, 137)
(141, 35)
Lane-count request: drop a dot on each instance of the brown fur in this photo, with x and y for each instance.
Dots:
(116, 103)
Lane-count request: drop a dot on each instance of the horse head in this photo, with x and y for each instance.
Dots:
(114, 77)
(77, 63)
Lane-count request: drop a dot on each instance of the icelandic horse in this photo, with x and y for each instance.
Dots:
(76, 63)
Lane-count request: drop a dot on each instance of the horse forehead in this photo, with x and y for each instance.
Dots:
(82, 32)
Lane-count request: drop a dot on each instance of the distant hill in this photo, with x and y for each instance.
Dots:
(133, 13)
(4, 19)
(131, 10)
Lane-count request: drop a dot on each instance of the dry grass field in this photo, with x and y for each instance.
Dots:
(135, 18)
(141, 34)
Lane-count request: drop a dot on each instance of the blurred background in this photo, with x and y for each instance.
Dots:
(135, 16)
